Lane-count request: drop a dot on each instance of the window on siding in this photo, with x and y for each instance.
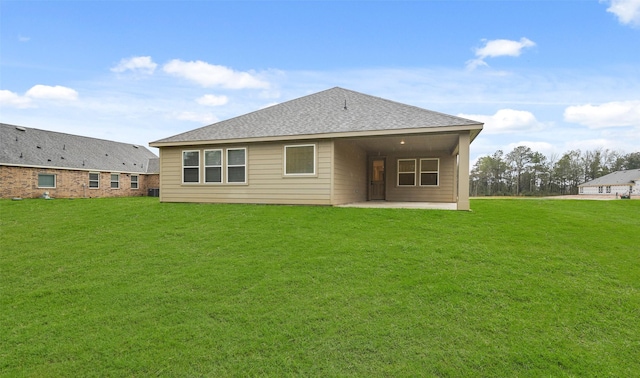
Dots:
(213, 166)
(134, 181)
(46, 180)
(608, 189)
(190, 166)
(406, 172)
(115, 181)
(236, 165)
(94, 180)
(429, 172)
(300, 160)
(599, 189)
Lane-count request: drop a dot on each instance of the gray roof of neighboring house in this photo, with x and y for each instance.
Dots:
(335, 110)
(616, 178)
(25, 146)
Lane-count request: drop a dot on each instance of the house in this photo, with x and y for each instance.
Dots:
(616, 183)
(34, 161)
(329, 148)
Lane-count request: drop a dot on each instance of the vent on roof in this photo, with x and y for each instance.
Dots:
(20, 128)
(39, 147)
(134, 146)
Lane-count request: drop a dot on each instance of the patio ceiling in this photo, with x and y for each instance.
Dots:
(409, 143)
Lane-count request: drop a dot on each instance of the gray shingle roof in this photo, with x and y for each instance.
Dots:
(616, 178)
(335, 110)
(26, 146)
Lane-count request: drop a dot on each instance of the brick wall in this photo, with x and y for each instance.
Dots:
(22, 182)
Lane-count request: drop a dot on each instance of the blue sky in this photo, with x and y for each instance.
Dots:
(552, 75)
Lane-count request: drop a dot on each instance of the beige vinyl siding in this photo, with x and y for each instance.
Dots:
(266, 182)
(444, 192)
(349, 174)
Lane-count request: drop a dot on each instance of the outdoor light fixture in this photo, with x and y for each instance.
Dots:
(402, 141)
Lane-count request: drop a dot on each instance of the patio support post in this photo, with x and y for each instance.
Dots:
(464, 140)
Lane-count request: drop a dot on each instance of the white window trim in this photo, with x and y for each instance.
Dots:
(227, 166)
(137, 182)
(191, 166)
(437, 172)
(315, 160)
(98, 180)
(55, 181)
(415, 179)
(222, 167)
(117, 181)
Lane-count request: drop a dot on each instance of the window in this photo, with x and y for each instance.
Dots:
(429, 172)
(581, 190)
(190, 166)
(115, 181)
(300, 160)
(134, 181)
(406, 172)
(46, 180)
(236, 165)
(94, 180)
(599, 189)
(213, 166)
(608, 189)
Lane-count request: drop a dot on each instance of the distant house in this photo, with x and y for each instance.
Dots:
(34, 161)
(329, 148)
(619, 182)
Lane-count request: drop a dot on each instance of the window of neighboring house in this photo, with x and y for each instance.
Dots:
(134, 181)
(46, 180)
(115, 181)
(300, 160)
(236, 165)
(190, 166)
(608, 189)
(429, 169)
(406, 172)
(213, 166)
(599, 189)
(581, 190)
(94, 180)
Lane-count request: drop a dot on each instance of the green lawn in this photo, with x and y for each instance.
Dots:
(133, 287)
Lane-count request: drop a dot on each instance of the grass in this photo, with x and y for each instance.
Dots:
(133, 287)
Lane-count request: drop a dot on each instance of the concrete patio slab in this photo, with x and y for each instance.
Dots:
(402, 205)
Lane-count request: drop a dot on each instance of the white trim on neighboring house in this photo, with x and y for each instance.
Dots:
(299, 174)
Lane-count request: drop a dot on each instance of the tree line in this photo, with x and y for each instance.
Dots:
(530, 173)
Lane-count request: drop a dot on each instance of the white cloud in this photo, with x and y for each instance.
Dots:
(22, 38)
(499, 47)
(209, 75)
(506, 121)
(204, 118)
(52, 93)
(627, 11)
(14, 100)
(610, 114)
(141, 64)
(212, 100)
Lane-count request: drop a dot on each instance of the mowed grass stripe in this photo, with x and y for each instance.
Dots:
(112, 287)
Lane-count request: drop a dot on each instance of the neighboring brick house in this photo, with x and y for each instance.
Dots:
(34, 161)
